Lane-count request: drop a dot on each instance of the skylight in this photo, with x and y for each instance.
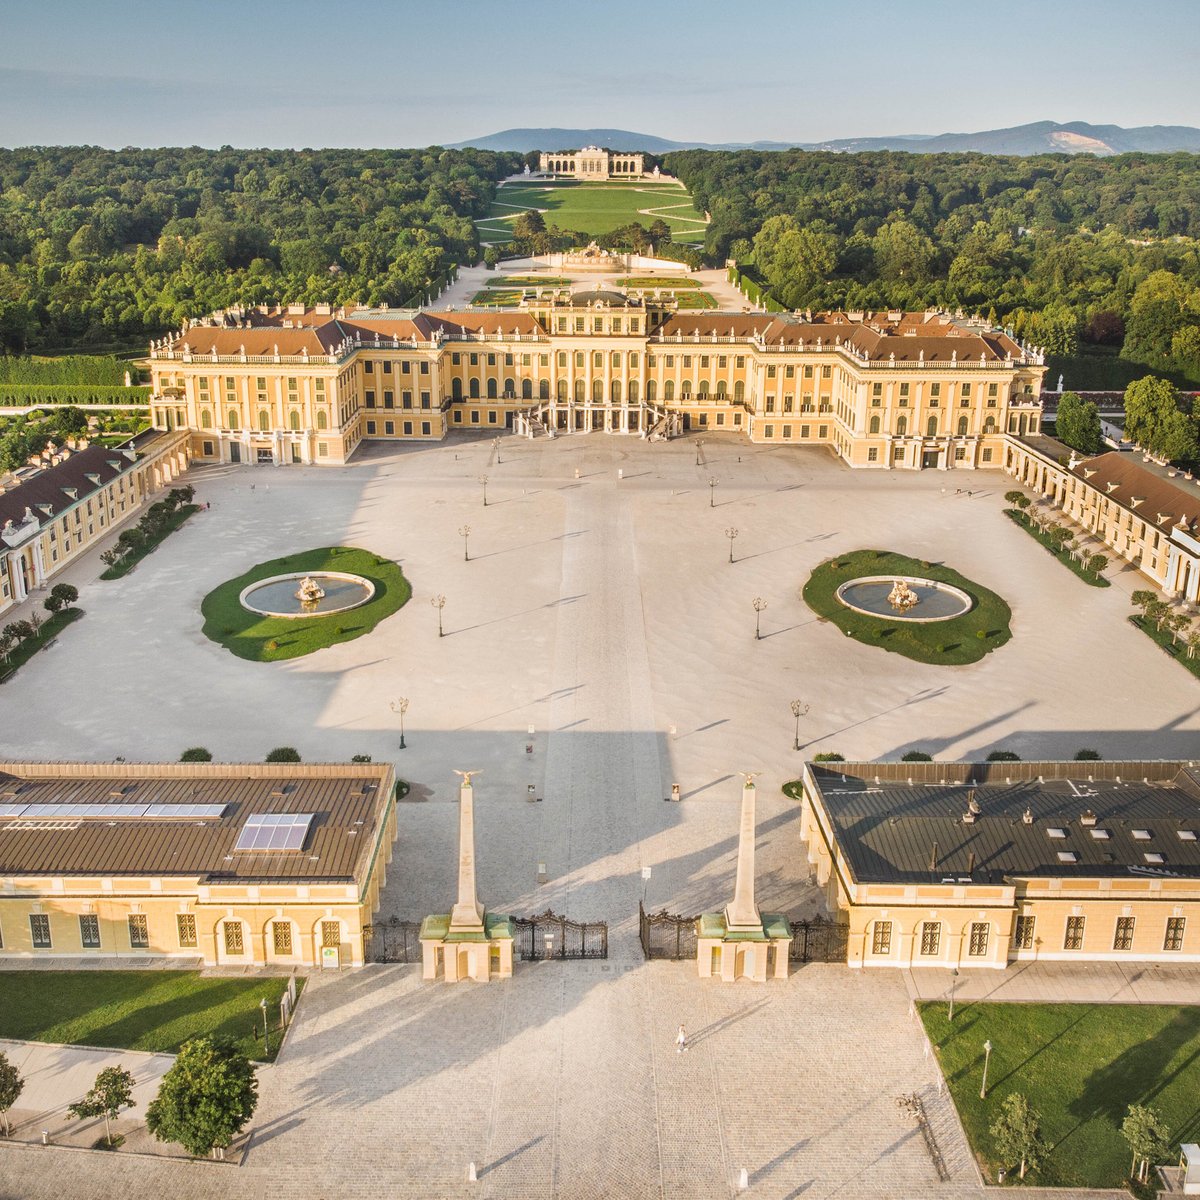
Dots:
(1055, 832)
(1101, 835)
(1067, 856)
(111, 812)
(1186, 835)
(1141, 835)
(267, 833)
(1152, 856)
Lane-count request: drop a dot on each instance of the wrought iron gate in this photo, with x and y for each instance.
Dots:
(392, 941)
(818, 940)
(547, 935)
(666, 935)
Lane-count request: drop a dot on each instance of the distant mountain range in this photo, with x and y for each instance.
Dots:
(1042, 137)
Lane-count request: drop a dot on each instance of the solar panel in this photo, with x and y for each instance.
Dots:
(186, 812)
(266, 833)
(11, 810)
(111, 812)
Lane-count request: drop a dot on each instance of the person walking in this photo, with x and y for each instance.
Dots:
(681, 1040)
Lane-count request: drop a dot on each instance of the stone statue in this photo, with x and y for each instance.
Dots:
(310, 592)
(1060, 384)
(902, 597)
(467, 776)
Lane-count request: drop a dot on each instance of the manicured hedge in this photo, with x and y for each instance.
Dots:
(13, 395)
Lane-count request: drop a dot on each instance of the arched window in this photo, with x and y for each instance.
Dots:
(526, 389)
(874, 424)
(616, 391)
(562, 390)
(651, 391)
(633, 391)
(685, 390)
(739, 391)
(704, 389)
(456, 389)
(491, 389)
(205, 419)
(474, 389)
(322, 421)
(989, 426)
(722, 390)
(668, 391)
(962, 425)
(544, 389)
(931, 427)
(233, 418)
(579, 391)
(264, 420)
(597, 390)
(294, 420)
(510, 388)
(901, 426)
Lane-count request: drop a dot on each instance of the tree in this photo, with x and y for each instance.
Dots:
(205, 1099)
(18, 631)
(1003, 756)
(1087, 755)
(1177, 622)
(284, 754)
(65, 594)
(11, 1087)
(196, 754)
(917, 756)
(902, 251)
(1156, 422)
(34, 621)
(829, 756)
(528, 225)
(1148, 1138)
(1096, 563)
(112, 1091)
(1142, 598)
(1017, 1133)
(1078, 424)
(1156, 612)
(1015, 497)
(1193, 642)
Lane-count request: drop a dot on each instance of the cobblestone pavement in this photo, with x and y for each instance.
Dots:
(599, 608)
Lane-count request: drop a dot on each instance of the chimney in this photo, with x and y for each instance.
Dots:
(971, 863)
(1027, 816)
(933, 857)
(1087, 818)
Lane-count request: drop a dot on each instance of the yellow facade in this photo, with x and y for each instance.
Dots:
(889, 390)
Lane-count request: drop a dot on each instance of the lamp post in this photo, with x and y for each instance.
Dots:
(266, 1032)
(799, 709)
(712, 483)
(483, 480)
(987, 1058)
(731, 533)
(759, 604)
(465, 533)
(401, 706)
(439, 602)
(953, 981)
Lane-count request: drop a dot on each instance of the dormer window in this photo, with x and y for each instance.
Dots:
(1141, 835)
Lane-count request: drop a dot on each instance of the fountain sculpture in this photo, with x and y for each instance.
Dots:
(902, 597)
(310, 592)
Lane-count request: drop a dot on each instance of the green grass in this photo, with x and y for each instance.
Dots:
(22, 652)
(271, 639)
(652, 281)
(1092, 577)
(961, 640)
(595, 208)
(168, 527)
(155, 1011)
(1176, 649)
(532, 281)
(497, 298)
(695, 300)
(1080, 1067)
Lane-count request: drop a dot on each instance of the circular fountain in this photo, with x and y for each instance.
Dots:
(904, 598)
(301, 595)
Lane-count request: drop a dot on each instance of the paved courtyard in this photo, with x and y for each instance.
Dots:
(601, 612)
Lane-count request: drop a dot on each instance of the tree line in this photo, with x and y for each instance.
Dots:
(1066, 250)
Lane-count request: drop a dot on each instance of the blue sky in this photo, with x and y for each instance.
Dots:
(409, 73)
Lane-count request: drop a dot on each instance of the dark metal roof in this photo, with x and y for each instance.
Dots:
(347, 812)
(888, 818)
(60, 487)
(613, 299)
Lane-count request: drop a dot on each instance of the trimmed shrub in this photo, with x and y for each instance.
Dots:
(196, 754)
(283, 754)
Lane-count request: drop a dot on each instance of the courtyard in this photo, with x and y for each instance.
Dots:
(600, 647)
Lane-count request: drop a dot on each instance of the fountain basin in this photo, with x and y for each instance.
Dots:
(276, 596)
(936, 601)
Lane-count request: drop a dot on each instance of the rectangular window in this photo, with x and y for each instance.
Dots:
(185, 925)
(370, 428)
(1023, 935)
(826, 372)
(322, 449)
(805, 431)
(872, 454)
(389, 399)
(787, 431)
(406, 399)
(425, 429)
(389, 427)
(771, 371)
(822, 431)
(331, 934)
(881, 938)
(720, 418)
(407, 425)
(1174, 937)
(139, 933)
(370, 398)
(368, 367)
(986, 456)
(904, 389)
(1074, 935)
(931, 937)
(769, 431)
(1123, 937)
(233, 938)
(425, 365)
(89, 931)
(425, 403)
(978, 944)
(281, 937)
(965, 390)
(387, 368)
(39, 929)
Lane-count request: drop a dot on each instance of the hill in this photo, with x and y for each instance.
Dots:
(1040, 137)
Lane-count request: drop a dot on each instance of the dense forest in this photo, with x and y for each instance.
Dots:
(102, 247)
(1065, 249)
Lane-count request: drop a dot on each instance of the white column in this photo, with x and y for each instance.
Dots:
(467, 912)
(742, 913)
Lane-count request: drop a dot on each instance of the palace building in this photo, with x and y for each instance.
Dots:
(308, 385)
(592, 162)
(981, 864)
(235, 864)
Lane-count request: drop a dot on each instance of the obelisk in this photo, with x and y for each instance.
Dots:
(742, 914)
(467, 915)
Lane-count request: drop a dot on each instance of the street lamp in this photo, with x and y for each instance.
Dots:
(987, 1058)
(266, 1032)
(712, 483)
(759, 605)
(439, 602)
(401, 706)
(953, 981)
(483, 480)
(731, 533)
(465, 534)
(799, 709)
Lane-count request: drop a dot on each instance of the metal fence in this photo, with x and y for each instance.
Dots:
(666, 935)
(818, 940)
(392, 941)
(548, 935)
